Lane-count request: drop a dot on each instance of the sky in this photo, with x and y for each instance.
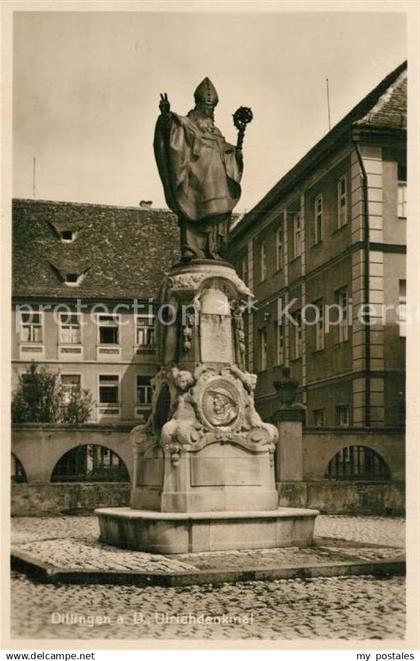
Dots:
(86, 89)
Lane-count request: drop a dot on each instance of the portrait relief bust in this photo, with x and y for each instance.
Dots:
(220, 406)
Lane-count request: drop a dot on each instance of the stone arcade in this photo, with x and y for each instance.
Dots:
(204, 476)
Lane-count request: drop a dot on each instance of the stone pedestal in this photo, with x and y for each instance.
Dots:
(176, 532)
(204, 462)
(219, 476)
(289, 452)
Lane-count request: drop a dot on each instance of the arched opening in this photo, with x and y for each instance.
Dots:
(357, 462)
(90, 463)
(17, 472)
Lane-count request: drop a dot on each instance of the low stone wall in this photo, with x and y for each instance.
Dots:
(321, 444)
(67, 498)
(380, 498)
(326, 496)
(39, 446)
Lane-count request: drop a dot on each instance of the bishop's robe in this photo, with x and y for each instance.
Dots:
(200, 171)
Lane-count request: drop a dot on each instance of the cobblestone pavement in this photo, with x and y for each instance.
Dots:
(389, 531)
(360, 607)
(323, 608)
(28, 528)
(73, 554)
(68, 553)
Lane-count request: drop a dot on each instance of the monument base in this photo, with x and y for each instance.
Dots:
(178, 532)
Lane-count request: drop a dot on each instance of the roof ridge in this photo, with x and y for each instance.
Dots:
(384, 98)
(24, 200)
(319, 147)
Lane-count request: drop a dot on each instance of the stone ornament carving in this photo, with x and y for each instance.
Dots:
(217, 401)
(187, 281)
(238, 309)
(209, 404)
(187, 331)
(218, 408)
(207, 305)
(219, 277)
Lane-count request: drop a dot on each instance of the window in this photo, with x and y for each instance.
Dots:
(30, 327)
(357, 462)
(67, 236)
(108, 329)
(244, 269)
(108, 396)
(108, 389)
(343, 325)
(263, 349)
(145, 330)
(318, 219)
(342, 201)
(298, 335)
(297, 234)
(280, 344)
(73, 279)
(402, 199)
(319, 326)
(263, 261)
(279, 249)
(318, 417)
(144, 391)
(70, 328)
(342, 413)
(402, 307)
(70, 383)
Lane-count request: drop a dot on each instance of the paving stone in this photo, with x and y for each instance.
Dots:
(85, 553)
(358, 607)
(389, 531)
(72, 553)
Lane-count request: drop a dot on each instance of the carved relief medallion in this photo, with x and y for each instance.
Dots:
(219, 403)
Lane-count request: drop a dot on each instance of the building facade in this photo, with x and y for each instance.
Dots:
(85, 285)
(324, 253)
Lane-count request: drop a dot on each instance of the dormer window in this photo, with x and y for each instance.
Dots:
(73, 279)
(67, 236)
(67, 230)
(70, 272)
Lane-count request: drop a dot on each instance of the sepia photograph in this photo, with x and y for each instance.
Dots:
(210, 307)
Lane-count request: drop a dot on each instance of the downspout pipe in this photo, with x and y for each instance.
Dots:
(366, 292)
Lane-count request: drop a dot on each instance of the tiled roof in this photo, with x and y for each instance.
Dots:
(123, 251)
(383, 109)
(390, 111)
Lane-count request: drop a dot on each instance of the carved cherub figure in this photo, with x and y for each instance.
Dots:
(183, 379)
(249, 380)
(183, 412)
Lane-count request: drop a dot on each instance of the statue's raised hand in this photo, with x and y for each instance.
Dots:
(164, 105)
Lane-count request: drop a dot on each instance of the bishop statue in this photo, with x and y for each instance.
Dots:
(200, 171)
